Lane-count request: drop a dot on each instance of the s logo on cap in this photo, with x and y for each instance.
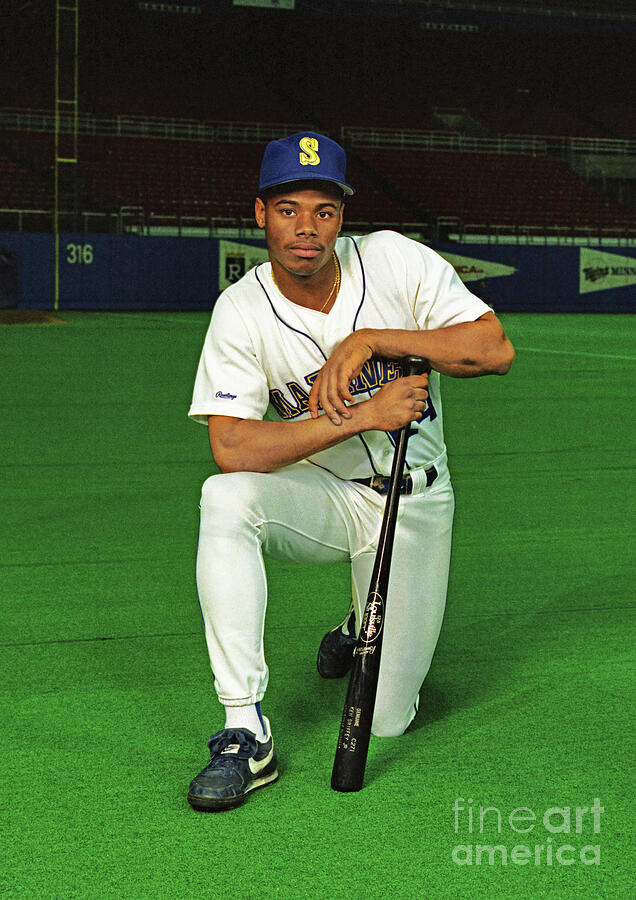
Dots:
(309, 151)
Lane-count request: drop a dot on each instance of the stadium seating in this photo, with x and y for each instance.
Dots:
(392, 67)
(19, 189)
(496, 190)
(214, 182)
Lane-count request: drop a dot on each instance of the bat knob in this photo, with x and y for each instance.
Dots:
(415, 365)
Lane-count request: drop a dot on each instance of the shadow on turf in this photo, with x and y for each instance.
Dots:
(434, 705)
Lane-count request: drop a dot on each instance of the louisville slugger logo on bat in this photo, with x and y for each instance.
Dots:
(372, 623)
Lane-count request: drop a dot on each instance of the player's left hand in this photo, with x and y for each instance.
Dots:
(331, 389)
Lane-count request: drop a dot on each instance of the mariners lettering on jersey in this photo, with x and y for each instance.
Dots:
(373, 375)
(309, 151)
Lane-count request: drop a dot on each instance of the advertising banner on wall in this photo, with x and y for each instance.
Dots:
(235, 259)
(472, 269)
(271, 4)
(127, 272)
(602, 271)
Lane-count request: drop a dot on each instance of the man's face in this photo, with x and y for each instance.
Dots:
(301, 228)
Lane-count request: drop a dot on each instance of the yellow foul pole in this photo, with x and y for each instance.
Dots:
(66, 115)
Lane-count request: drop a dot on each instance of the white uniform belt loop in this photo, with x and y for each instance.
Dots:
(422, 478)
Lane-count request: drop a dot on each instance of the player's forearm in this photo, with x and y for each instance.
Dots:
(250, 445)
(461, 351)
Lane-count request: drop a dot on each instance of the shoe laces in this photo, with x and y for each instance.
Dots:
(220, 741)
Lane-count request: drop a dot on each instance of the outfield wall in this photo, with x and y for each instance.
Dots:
(115, 272)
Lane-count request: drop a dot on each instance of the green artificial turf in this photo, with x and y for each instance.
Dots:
(107, 698)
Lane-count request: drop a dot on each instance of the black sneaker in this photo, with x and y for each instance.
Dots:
(238, 764)
(335, 654)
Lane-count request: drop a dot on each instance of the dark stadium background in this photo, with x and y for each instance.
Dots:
(467, 124)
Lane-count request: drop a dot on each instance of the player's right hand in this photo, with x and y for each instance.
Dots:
(397, 403)
(331, 389)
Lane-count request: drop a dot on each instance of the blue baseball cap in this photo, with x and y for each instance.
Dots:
(305, 156)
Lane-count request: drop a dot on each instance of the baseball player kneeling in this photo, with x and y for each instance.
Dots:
(313, 338)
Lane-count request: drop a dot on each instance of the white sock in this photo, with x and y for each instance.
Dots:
(344, 628)
(249, 717)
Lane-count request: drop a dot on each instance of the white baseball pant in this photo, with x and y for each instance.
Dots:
(305, 514)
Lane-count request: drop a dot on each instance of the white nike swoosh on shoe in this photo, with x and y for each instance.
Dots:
(256, 765)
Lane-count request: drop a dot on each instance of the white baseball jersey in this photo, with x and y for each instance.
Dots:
(262, 352)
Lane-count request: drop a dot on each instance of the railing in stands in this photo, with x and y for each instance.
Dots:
(149, 126)
(260, 132)
(506, 143)
(440, 140)
(600, 145)
(134, 220)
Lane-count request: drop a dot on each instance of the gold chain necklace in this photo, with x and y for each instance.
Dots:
(335, 287)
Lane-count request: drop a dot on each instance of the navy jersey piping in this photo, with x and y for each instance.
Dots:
(355, 325)
(287, 325)
(364, 284)
(315, 343)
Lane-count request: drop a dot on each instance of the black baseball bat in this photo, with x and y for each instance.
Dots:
(355, 728)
